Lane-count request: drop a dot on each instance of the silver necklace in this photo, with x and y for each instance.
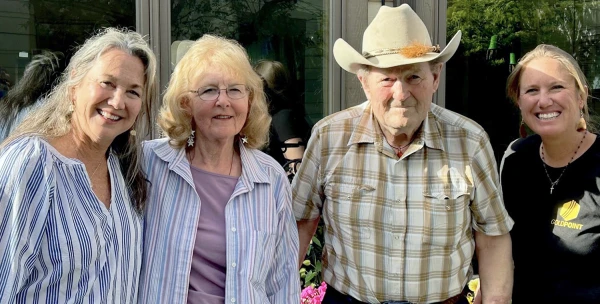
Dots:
(554, 183)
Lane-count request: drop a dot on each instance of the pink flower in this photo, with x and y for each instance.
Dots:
(311, 295)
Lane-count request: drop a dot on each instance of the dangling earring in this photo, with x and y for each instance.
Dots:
(581, 125)
(191, 139)
(132, 133)
(244, 139)
(522, 130)
(71, 108)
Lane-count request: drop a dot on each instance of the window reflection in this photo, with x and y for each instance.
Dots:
(288, 31)
(31, 27)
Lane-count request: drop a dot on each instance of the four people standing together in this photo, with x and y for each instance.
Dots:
(409, 191)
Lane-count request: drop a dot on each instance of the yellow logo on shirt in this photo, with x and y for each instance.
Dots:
(568, 211)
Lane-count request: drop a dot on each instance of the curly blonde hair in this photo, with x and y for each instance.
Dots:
(209, 51)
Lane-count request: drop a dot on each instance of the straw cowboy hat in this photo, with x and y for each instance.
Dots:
(395, 37)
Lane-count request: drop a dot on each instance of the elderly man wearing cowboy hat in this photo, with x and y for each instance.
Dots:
(408, 190)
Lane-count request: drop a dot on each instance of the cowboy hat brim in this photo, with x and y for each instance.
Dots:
(351, 60)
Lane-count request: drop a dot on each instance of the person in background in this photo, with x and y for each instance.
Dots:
(408, 190)
(37, 81)
(219, 224)
(290, 130)
(550, 182)
(72, 190)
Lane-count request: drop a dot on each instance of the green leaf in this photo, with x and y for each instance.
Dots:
(309, 277)
(316, 241)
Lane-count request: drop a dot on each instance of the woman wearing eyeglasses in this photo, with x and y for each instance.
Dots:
(219, 223)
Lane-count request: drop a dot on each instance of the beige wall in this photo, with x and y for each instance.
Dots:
(359, 13)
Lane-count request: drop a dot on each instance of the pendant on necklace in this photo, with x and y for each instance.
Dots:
(551, 188)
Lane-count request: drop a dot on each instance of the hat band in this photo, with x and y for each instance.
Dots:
(411, 51)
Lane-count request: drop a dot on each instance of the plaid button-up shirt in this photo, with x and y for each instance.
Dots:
(399, 228)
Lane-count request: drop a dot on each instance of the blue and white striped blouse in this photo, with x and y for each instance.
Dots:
(58, 242)
(262, 238)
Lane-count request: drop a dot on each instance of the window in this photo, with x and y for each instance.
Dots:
(290, 31)
(31, 27)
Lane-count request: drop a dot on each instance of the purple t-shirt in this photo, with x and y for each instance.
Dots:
(207, 276)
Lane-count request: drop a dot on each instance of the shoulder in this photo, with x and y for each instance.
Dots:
(522, 145)
(28, 160)
(26, 148)
(150, 145)
(282, 115)
(516, 155)
(157, 147)
(351, 115)
(452, 120)
(265, 162)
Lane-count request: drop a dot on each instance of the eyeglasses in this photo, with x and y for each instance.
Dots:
(210, 93)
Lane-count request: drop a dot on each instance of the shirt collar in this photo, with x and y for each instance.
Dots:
(252, 170)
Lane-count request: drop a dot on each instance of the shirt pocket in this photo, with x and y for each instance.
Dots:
(445, 215)
(350, 209)
(259, 249)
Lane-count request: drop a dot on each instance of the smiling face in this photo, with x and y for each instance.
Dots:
(109, 97)
(223, 118)
(401, 96)
(549, 98)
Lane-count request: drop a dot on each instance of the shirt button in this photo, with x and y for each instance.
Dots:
(448, 208)
(397, 237)
(233, 265)
(232, 300)
(233, 229)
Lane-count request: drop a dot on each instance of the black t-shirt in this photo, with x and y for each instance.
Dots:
(287, 125)
(556, 237)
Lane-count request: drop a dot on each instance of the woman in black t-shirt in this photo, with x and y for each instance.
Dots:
(550, 183)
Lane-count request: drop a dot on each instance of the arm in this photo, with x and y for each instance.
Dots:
(494, 254)
(306, 230)
(283, 280)
(492, 224)
(308, 196)
(24, 203)
(296, 152)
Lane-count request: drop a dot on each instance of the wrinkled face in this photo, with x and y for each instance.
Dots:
(221, 118)
(549, 98)
(109, 97)
(401, 96)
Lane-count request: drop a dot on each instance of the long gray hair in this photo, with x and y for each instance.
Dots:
(53, 118)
